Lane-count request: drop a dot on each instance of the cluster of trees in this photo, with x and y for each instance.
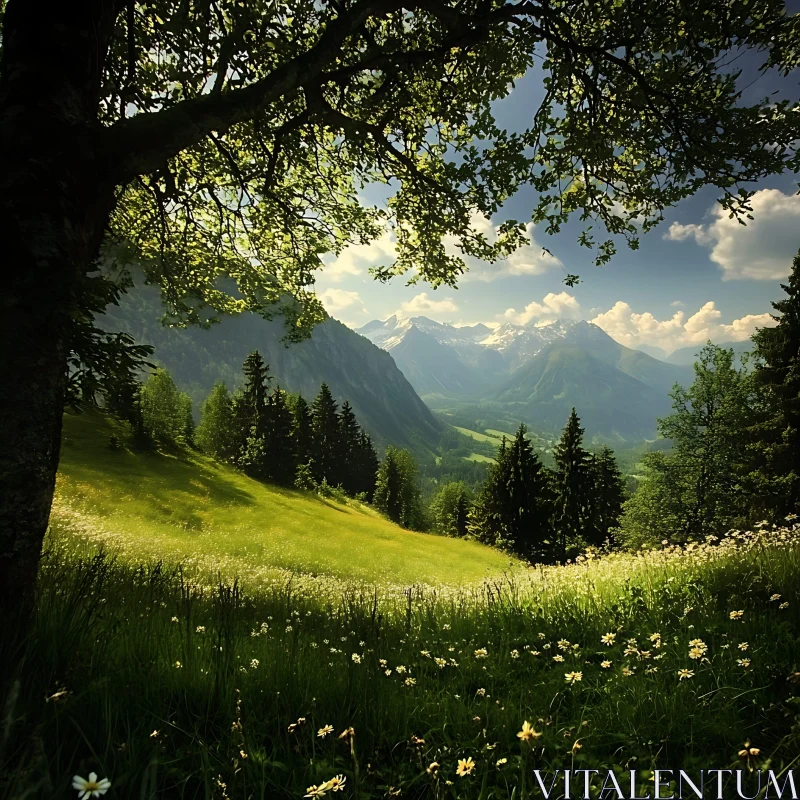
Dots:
(268, 433)
(278, 437)
(735, 433)
(538, 513)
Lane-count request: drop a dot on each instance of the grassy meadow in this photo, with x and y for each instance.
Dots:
(417, 683)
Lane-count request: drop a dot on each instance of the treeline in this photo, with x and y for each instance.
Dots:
(735, 432)
(541, 514)
(268, 433)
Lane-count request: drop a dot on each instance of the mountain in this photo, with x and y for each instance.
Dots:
(440, 360)
(535, 373)
(655, 352)
(618, 392)
(686, 356)
(354, 368)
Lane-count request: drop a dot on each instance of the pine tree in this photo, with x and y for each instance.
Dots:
(281, 463)
(774, 480)
(368, 464)
(216, 433)
(572, 486)
(325, 427)
(348, 446)
(397, 493)
(607, 494)
(513, 507)
(302, 432)
(488, 517)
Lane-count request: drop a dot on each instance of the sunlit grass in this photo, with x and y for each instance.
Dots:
(183, 506)
(480, 437)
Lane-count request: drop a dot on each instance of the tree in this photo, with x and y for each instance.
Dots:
(607, 493)
(396, 493)
(367, 466)
(774, 479)
(348, 447)
(191, 138)
(573, 487)
(164, 409)
(513, 507)
(279, 445)
(697, 489)
(216, 434)
(449, 509)
(325, 427)
(302, 431)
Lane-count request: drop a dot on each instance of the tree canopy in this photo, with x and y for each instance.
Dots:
(240, 135)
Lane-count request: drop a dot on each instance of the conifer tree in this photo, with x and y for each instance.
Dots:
(302, 433)
(513, 507)
(280, 461)
(396, 492)
(216, 434)
(774, 481)
(253, 409)
(572, 487)
(606, 495)
(348, 447)
(368, 464)
(325, 427)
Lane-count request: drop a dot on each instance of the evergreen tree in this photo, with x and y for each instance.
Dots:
(513, 507)
(572, 487)
(325, 428)
(348, 449)
(216, 433)
(256, 384)
(396, 492)
(367, 467)
(607, 493)
(165, 410)
(302, 432)
(774, 481)
(488, 517)
(281, 462)
(450, 509)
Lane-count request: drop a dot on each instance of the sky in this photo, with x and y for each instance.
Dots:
(697, 276)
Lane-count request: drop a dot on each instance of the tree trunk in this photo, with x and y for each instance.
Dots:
(55, 200)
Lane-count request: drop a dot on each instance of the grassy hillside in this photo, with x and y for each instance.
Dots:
(183, 506)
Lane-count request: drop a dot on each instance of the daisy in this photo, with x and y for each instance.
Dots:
(528, 733)
(608, 639)
(90, 788)
(685, 674)
(465, 766)
(323, 732)
(573, 677)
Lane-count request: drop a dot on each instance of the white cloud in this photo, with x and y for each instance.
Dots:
(762, 249)
(423, 303)
(678, 304)
(358, 258)
(552, 307)
(336, 300)
(530, 259)
(632, 329)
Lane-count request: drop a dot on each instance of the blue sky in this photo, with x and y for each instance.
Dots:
(698, 275)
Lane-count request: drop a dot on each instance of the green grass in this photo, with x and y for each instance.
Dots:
(177, 689)
(179, 692)
(479, 457)
(479, 437)
(181, 506)
(493, 432)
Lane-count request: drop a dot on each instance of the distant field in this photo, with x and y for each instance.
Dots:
(498, 434)
(184, 506)
(478, 457)
(479, 437)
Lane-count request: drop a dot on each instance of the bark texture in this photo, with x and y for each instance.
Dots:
(55, 198)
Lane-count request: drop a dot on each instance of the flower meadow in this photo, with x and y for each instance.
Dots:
(166, 686)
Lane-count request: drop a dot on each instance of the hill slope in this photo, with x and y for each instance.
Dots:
(183, 506)
(354, 368)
